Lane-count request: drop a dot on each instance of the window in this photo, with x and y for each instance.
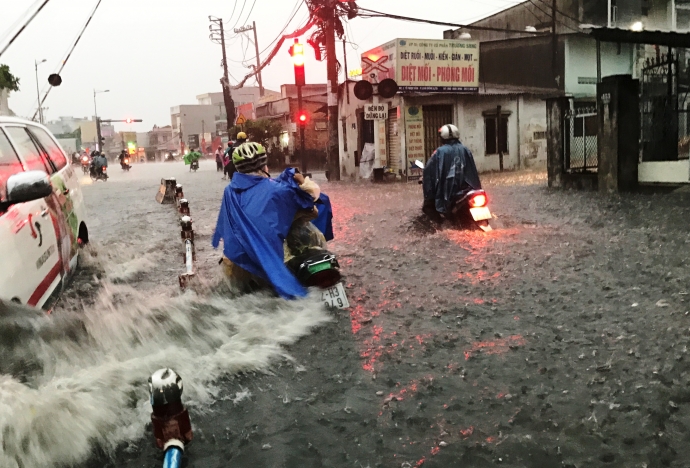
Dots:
(496, 141)
(26, 148)
(57, 157)
(9, 164)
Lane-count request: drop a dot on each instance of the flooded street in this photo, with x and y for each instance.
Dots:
(559, 339)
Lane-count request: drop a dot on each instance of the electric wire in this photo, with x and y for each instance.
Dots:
(250, 12)
(377, 14)
(26, 24)
(244, 4)
(548, 14)
(69, 54)
(561, 12)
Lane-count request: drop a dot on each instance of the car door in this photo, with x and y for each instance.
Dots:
(31, 267)
(66, 185)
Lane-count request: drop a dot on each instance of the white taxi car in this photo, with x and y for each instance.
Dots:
(42, 215)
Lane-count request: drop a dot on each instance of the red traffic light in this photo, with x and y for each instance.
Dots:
(302, 117)
(129, 121)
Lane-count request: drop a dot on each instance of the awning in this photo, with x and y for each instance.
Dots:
(661, 38)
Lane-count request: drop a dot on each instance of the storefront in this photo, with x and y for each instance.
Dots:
(438, 81)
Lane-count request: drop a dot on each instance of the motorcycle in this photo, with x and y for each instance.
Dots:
(470, 208)
(313, 265)
(99, 175)
(194, 166)
(124, 164)
(85, 163)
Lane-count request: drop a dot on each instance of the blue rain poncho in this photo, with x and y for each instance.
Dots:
(255, 217)
(449, 174)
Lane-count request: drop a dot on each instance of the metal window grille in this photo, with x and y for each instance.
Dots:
(581, 144)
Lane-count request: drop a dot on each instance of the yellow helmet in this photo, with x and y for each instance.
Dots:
(241, 136)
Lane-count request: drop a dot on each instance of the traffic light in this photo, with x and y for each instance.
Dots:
(297, 54)
(302, 118)
(129, 121)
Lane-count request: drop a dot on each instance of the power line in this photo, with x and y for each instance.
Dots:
(69, 54)
(562, 13)
(551, 16)
(244, 4)
(378, 14)
(21, 30)
(250, 12)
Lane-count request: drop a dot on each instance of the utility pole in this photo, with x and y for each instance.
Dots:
(225, 81)
(554, 43)
(38, 92)
(333, 154)
(347, 88)
(258, 61)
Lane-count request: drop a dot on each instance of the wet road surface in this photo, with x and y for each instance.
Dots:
(559, 339)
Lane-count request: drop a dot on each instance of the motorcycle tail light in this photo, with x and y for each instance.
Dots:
(105, 169)
(478, 201)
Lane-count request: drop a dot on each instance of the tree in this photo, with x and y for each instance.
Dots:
(262, 130)
(7, 80)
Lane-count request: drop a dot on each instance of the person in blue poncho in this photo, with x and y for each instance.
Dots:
(256, 216)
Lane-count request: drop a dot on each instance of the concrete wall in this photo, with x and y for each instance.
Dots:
(192, 118)
(69, 145)
(670, 172)
(581, 62)
(528, 139)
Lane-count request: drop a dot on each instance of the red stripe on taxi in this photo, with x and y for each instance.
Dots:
(45, 284)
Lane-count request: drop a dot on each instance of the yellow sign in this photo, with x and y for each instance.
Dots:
(241, 120)
(426, 64)
(355, 73)
(414, 133)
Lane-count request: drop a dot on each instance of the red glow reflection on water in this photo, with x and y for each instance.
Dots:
(466, 433)
(497, 346)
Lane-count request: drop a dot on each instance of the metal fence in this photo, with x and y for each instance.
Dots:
(581, 144)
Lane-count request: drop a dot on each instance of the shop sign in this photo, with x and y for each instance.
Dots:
(426, 65)
(414, 135)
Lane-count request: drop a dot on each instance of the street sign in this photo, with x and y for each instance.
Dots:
(376, 111)
(241, 120)
(193, 140)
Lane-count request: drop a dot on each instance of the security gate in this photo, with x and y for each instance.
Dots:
(581, 143)
(435, 116)
(393, 141)
(664, 88)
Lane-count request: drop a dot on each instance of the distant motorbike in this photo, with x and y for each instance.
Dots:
(194, 166)
(124, 164)
(469, 208)
(97, 175)
(85, 163)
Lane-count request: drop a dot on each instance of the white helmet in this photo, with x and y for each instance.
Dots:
(449, 132)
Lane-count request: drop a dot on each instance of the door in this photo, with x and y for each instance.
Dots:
(66, 185)
(31, 267)
(393, 141)
(435, 117)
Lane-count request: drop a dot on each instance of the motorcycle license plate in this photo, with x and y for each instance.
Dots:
(480, 214)
(335, 297)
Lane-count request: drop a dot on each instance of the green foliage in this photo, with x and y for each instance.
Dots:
(262, 130)
(7, 80)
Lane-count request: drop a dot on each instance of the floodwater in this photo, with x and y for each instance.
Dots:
(559, 339)
(76, 379)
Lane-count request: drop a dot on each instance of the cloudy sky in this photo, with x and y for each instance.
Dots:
(155, 54)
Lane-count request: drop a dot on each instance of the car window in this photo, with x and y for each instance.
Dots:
(27, 149)
(9, 164)
(55, 153)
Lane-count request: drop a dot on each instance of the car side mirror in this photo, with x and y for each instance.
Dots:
(28, 186)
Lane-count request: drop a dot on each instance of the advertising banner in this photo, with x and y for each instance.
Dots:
(414, 133)
(425, 65)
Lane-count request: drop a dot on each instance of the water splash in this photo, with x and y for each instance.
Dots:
(77, 378)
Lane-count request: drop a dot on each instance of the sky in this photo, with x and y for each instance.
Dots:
(155, 54)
